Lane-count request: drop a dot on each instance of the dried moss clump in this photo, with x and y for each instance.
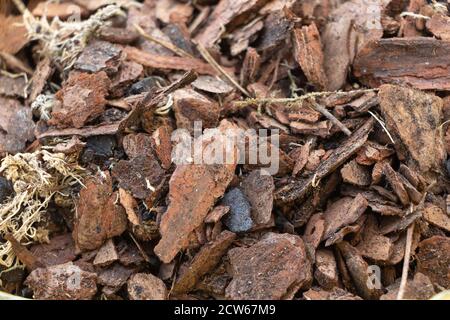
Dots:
(63, 41)
(36, 178)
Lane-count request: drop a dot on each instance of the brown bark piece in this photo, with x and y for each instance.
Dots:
(259, 191)
(60, 10)
(163, 145)
(321, 129)
(351, 25)
(301, 157)
(343, 212)
(227, 14)
(418, 288)
(203, 262)
(145, 286)
(193, 189)
(60, 250)
(439, 25)
(250, 67)
(372, 152)
(401, 61)
(140, 175)
(309, 55)
(16, 126)
(168, 62)
(137, 144)
(269, 268)
(212, 85)
(14, 34)
(14, 87)
(356, 174)
(298, 190)
(436, 216)
(190, 106)
(99, 218)
(396, 184)
(217, 213)
(326, 272)
(358, 269)
(373, 244)
(99, 56)
(335, 294)
(106, 255)
(39, 79)
(128, 72)
(314, 230)
(82, 99)
(433, 260)
(413, 118)
(114, 277)
(62, 282)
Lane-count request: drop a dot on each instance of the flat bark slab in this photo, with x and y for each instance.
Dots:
(62, 282)
(203, 262)
(405, 61)
(192, 192)
(99, 217)
(413, 119)
(433, 260)
(145, 286)
(269, 268)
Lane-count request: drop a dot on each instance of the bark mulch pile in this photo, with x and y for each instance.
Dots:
(353, 95)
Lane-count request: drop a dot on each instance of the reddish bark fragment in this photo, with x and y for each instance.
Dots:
(106, 255)
(167, 62)
(60, 250)
(358, 269)
(351, 25)
(309, 55)
(418, 288)
(401, 61)
(145, 286)
(269, 268)
(227, 14)
(436, 216)
(62, 282)
(439, 25)
(259, 191)
(326, 272)
(190, 106)
(343, 212)
(413, 118)
(82, 99)
(140, 175)
(433, 260)
(356, 174)
(203, 262)
(16, 126)
(99, 217)
(193, 191)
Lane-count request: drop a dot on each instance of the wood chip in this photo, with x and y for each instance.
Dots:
(193, 191)
(356, 174)
(62, 282)
(145, 286)
(326, 272)
(309, 55)
(99, 217)
(106, 255)
(401, 62)
(203, 262)
(433, 260)
(283, 255)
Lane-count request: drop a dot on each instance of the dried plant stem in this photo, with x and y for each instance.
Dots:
(252, 101)
(207, 56)
(409, 235)
(383, 126)
(331, 117)
(165, 44)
